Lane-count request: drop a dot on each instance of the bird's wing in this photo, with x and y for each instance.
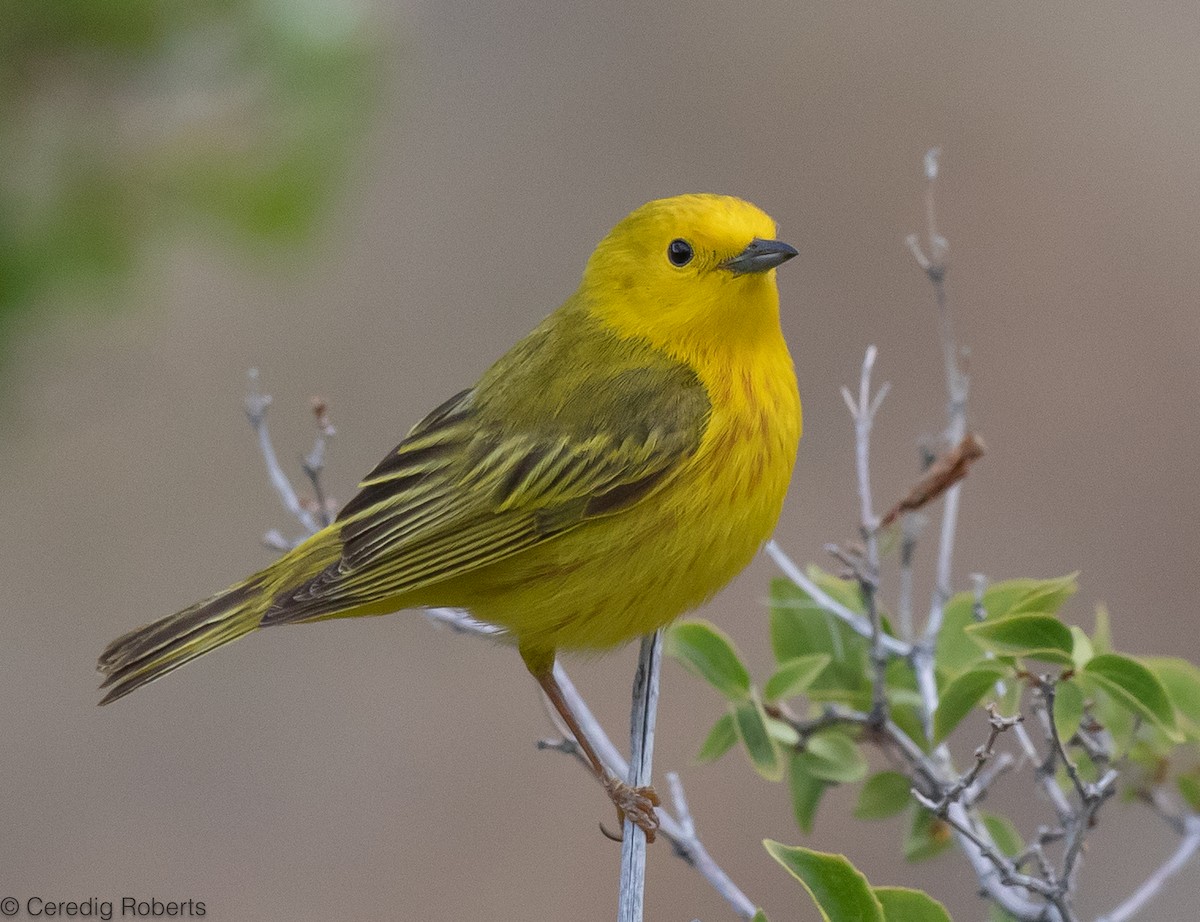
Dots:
(464, 490)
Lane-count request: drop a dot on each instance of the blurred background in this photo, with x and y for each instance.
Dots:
(371, 202)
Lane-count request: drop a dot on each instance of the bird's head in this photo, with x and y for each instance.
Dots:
(689, 271)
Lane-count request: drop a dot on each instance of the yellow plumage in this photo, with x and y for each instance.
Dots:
(614, 469)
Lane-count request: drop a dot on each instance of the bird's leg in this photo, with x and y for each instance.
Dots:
(636, 804)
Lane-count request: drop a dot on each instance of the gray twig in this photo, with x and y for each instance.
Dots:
(257, 403)
(934, 266)
(863, 411)
(1156, 881)
(827, 603)
(314, 461)
(910, 527)
(641, 755)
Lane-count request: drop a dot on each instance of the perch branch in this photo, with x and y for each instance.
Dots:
(642, 721)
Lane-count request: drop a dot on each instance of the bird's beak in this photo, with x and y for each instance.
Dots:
(759, 256)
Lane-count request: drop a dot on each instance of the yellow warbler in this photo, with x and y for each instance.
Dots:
(614, 469)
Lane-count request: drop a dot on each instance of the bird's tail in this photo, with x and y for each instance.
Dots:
(150, 652)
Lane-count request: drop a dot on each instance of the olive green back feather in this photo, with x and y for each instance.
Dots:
(550, 438)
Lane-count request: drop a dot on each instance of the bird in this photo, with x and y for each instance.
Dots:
(610, 472)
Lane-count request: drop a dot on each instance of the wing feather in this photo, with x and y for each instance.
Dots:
(477, 481)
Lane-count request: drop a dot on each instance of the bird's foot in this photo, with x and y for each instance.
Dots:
(634, 804)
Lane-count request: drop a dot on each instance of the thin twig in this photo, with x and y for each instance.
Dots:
(826, 602)
(946, 471)
(998, 725)
(934, 266)
(642, 721)
(1046, 686)
(863, 411)
(1062, 807)
(682, 812)
(1000, 765)
(1156, 881)
(910, 525)
(257, 403)
(314, 461)
(1008, 872)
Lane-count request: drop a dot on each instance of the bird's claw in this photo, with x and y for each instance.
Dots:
(634, 804)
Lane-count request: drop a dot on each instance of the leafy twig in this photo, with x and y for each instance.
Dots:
(863, 411)
(828, 603)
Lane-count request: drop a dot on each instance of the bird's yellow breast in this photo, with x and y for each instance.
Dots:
(619, 577)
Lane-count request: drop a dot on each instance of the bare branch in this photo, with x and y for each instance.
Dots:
(982, 754)
(1156, 881)
(314, 461)
(863, 412)
(643, 718)
(257, 403)
(826, 602)
(910, 526)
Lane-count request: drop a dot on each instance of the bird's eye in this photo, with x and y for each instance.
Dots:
(679, 252)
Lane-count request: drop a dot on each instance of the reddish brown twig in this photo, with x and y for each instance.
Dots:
(946, 471)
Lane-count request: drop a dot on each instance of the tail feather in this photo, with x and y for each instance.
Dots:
(150, 652)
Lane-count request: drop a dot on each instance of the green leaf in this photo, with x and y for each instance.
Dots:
(807, 791)
(1035, 636)
(833, 756)
(839, 890)
(884, 794)
(1044, 596)
(800, 627)
(784, 734)
(1068, 708)
(759, 916)
(1102, 634)
(1004, 834)
(842, 590)
(795, 675)
(955, 650)
(960, 697)
(721, 738)
(927, 835)
(703, 648)
(1010, 702)
(1083, 650)
(908, 718)
(1027, 595)
(1181, 679)
(1135, 686)
(901, 904)
(1120, 722)
(751, 725)
(1189, 790)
